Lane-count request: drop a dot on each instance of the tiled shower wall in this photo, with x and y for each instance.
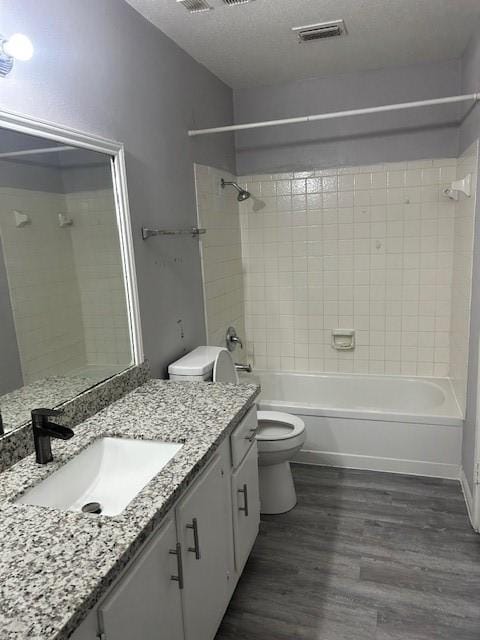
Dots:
(65, 283)
(462, 275)
(98, 267)
(376, 249)
(363, 248)
(42, 282)
(221, 252)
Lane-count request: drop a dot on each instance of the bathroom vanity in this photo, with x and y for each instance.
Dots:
(111, 539)
(179, 584)
(167, 565)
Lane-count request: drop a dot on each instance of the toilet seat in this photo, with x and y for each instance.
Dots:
(280, 436)
(275, 425)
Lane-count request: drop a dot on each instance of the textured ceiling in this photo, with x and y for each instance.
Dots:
(252, 44)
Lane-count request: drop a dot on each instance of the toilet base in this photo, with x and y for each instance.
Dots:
(277, 491)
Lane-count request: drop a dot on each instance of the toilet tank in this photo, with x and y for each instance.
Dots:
(196, 365)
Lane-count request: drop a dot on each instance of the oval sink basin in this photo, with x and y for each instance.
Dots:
(109, 472)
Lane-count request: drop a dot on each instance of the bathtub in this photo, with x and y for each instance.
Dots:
(384, 423)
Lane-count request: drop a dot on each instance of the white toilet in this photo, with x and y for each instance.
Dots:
(279, 435)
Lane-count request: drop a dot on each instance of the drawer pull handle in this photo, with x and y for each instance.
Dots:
(245, 498)
(196, 544)
(252, 435)
(178, 552)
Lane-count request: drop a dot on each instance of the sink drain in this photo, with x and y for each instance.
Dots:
(92, 507)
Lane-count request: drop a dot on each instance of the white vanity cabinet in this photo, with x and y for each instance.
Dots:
(146, 602)
(204, 531)
(179, 584)
(246, 506)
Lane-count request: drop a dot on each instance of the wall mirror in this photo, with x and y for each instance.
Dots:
(68, 305)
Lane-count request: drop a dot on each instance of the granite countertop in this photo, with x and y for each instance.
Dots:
(54, 565)
(16, 405)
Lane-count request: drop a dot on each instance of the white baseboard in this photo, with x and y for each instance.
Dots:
(467, 494)
(372, 463)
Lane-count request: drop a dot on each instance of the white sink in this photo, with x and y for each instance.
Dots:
(111, 472)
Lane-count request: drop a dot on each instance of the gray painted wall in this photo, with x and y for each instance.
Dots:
(102, 68)
(470, 74)
(10, 371)
(470, 130)
(17, 175)
(90, 178)
(56, 179)
(21, 175)
(423, 133)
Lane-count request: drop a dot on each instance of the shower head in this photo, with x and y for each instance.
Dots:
(243, 194)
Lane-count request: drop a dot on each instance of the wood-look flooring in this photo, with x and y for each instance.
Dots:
(363, 556)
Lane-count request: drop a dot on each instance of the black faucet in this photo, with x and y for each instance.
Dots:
(44, 430)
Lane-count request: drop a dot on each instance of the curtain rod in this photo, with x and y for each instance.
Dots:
(31, 152)
(337, 114)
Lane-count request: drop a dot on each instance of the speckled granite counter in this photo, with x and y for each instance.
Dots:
(18, 443)
(47, 392)
(54, 566)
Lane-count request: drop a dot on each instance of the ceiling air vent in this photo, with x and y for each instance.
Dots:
(320, 31)
(196, 6)
(233, 3)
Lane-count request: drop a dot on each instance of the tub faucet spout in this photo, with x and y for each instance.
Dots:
(247, 368)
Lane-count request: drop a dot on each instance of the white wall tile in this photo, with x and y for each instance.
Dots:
(221, 251)
(462, 272)
(70, 275)
(376, 248)
(98, 266)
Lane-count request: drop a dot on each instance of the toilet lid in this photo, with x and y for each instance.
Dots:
(224, 368)
(274, 425)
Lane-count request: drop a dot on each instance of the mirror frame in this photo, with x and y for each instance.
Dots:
(116, 151)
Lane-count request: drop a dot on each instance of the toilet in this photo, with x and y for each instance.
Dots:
(279, 435)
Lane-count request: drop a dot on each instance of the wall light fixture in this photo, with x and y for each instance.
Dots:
(17, 47)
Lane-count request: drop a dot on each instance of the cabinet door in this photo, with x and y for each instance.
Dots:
(246, 507)
(146, 602)
(204, 530)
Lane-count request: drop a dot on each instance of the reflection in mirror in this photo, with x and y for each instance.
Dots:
(63, 316)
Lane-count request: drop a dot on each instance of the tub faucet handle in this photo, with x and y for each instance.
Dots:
(232, 339)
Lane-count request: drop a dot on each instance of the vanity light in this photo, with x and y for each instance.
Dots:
(17, 47)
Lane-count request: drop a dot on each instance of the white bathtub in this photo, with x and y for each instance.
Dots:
(385, 423)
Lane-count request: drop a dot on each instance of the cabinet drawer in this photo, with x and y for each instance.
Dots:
(243, 436)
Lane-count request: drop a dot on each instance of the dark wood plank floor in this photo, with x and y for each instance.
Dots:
(363, 556)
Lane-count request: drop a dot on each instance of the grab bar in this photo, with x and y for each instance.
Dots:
(194, 232)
